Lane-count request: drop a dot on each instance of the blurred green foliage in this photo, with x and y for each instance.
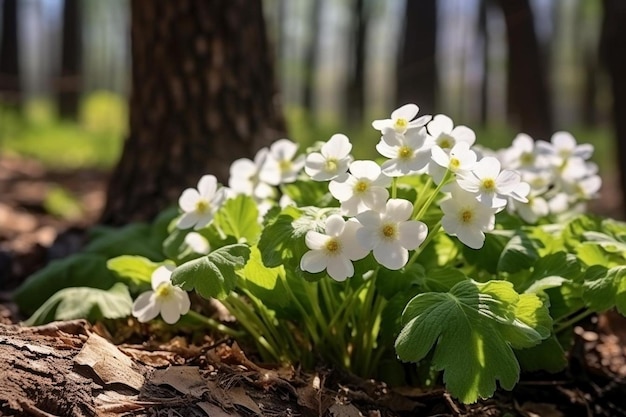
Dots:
(96, 139)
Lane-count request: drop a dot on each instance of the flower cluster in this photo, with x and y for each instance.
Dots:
(559, 173)
(465, 187)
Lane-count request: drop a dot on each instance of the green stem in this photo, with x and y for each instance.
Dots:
(394, 187)
(424, 207)
(311, 327)
(566, 324)
(216, 325)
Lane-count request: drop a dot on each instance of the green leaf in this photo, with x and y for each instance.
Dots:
(532, 322)
(79, 270)
(468, 328)
(605, 288)
(84, 303)
(135, 271)
(486, 256)
(309, 193)
(389, 282)
(442, 279)
(238, 217)
(258, 274)
(282, 240)
(213, 275)
(519, 253)
(547, 356)
(133, 239)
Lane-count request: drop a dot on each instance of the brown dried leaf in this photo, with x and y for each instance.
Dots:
(239, 397)
(213, 410)
(109, 363)
(185, 379)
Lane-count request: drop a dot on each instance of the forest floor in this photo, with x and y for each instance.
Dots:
(593, 385)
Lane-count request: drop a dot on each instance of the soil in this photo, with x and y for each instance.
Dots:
(179, 375)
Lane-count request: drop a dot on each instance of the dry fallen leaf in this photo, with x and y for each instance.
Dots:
(239, 397)
(185, 379)
(344, 410)
(213, 410)
(109, 363)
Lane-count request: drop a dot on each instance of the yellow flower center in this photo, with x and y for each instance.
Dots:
(445, 141)
(527, 158)
(489, 184)
(361, 186)
(466, 216)
(454, 164)
(202, 206)
(330, 165)
(389, 231)
(400, 124)
(164, 290)
(332, 246)
(405, 152)
(285, 165)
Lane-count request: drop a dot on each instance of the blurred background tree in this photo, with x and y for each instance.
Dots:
(499, 66)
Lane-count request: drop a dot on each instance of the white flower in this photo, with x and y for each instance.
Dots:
(244, 176)
(200, 205)
(402, 120)
(390, 233)
(408, 153)
(165, 299)
(197, 243)
(332, 160)
(467, 218)
(333, 250)
(460, 158)
(446, 135)
(280, 167)
(563, 146)
(491, 185)
(363, 189)
(536, 208)
(523, 154)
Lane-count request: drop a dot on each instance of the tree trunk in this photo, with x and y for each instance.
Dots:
(312, 56)
(613, 39)
(9, 59)
(483, 33)
(529, 97)
(356, 79)
(416, 73)
(203, 95)
(69, 86)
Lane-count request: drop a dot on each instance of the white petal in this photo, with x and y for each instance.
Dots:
(284, 149)
(440, 124)
(170, 311)
(365, 169)
(507, 181)
(563, 141)
(386, 150)
(391, 255)
(382, 124)
(161, 274)
(411, 234)
(376, 198)
(338, 146)
(182, 298)
(207, 186)
(335, 225)
(440, 156)
(407, 112)
(315, 240)
(339, 268)
(187, 220)
(488, 167)
(198, 243)
(145, 307)
(188, 199)
(398, 209)
(342, 190)
(471, 237)
(464, 134)
(313, 261)
(203, 220)
(352, 247)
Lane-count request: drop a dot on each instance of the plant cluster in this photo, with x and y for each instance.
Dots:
(469, 263)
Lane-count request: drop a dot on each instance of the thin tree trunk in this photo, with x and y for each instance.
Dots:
(416, 73)
(10, 87)
(356, 80)
(613, 39)
(71, 57)
(312, 56)
(529, 97)
(484, 84)
(203, 95)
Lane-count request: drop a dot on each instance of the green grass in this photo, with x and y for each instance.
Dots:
(94, 141)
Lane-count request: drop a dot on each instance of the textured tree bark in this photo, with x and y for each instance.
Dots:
(203, 95)
(416, 73)
(69, 85)
(529, 96)
(9, 58)
(612, 41)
